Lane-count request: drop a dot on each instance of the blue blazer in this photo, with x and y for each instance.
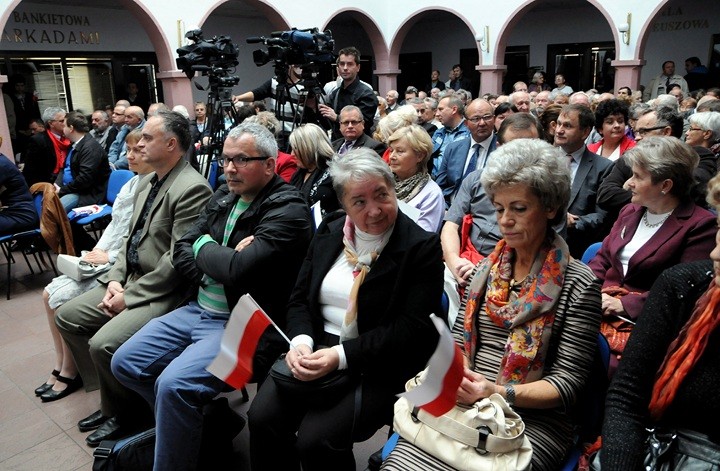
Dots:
(450, 174)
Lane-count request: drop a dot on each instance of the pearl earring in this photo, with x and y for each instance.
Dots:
(662, 192)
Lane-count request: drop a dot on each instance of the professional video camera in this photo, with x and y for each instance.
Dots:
(213, 57)
(303, 47)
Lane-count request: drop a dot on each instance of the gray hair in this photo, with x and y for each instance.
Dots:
(176, 124)
(267, 119)
(401, 117)
(666, 157)
(535, 163)
(666, 100)
(265, 143)
(358, 165)
(431, 102)
(49, 113)
(707, 121)
(350, 108)
(639, 109)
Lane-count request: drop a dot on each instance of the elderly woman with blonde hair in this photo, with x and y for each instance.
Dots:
(312, 150)
(410, 150)
(529, 321)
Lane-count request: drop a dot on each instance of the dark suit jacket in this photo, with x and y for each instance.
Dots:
(90, 170)
(394, 303)
(362, 141)
(591, 226)
(686, 236)
(39, 159)
(450, 174)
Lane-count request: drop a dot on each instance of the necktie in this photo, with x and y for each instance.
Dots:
(472, 165)
(347, 145)
(569, 160)
(667, 84)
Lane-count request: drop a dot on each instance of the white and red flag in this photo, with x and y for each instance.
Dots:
(437, 393)
(233, 363)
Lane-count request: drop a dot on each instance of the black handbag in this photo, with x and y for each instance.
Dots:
(682, 449)
(136, 453)
(315, 391)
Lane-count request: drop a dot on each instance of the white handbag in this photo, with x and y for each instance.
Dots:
(487, 436)
(77, 269)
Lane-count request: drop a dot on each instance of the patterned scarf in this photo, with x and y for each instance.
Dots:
(362, 265)
(529, 317)
(409, 188)
(61, 147)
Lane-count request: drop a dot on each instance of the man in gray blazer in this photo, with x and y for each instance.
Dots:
(142, 283)
(585, 220)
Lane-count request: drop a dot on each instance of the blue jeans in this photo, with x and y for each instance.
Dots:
(165, 363)
(70, 201)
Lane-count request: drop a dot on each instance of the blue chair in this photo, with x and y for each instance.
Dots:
(590, 252)
(213, 174)
(30, 243)
(117, 179)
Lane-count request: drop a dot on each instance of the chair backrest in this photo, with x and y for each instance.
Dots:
(38, 201)
(117, 179)
(590, 252)
(213, 174)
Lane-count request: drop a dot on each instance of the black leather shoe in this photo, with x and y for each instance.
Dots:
(72, 386)
(92, 421)
(39, 391)
(110, 430)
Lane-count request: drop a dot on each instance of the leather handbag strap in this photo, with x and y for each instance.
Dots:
(480, 438)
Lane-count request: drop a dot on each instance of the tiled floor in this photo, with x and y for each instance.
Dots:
(37, 436)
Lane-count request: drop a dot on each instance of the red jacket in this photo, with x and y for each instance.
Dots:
(626, 143)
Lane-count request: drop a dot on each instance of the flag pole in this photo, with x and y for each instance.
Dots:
(272, 322)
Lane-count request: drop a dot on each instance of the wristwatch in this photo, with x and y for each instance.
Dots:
(510, 394)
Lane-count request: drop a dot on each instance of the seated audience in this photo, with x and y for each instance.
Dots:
(352, 129)
(403, 116)
(312, 150)
(84, 178)
(253, 225)
(611, 117)
(410, 150)
(375, 326)
(548, 120)
(46, 151)
(286, 164)
(142, 284)
(661, 227)
(668, 378)
(503, 312)
(65, 378)
(502, 111)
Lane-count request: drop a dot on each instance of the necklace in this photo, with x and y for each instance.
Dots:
(514, 283)
(652, 226)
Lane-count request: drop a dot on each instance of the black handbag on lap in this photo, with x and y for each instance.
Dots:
(316, 391)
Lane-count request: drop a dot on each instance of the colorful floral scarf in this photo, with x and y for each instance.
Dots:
(528, 318)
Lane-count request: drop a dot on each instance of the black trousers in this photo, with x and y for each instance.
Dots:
(285, 432)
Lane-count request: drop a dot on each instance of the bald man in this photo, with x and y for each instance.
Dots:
(134, 119)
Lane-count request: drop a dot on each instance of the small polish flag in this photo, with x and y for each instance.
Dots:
(437, 393)
(233, 363)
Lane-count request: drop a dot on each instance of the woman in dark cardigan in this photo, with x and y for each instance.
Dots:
(676, 297)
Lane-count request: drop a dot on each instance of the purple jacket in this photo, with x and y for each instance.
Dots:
(687, 235)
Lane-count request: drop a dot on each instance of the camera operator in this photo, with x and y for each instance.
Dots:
(289, 110)
(352, 91)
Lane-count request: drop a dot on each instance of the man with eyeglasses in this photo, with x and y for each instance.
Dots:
(612, 194)
(142, 284)
(351, 91)
(352, 128)
(465, 156)
(251, 238)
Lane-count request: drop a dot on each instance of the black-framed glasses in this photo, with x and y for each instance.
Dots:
(350, 122)
(643, 131)
(240, 162)
(476, 119)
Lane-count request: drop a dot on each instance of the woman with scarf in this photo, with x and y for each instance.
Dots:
(361, 305)
(670, 372)
(411, 148)
(661, 227)
(529, 321)
(312, 151)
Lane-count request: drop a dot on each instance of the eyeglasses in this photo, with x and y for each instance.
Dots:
(476, 119)
(349, 123)
(643, 131)
(240, 162)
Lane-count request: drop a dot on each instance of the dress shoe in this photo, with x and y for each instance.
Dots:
(110, 430)
(72, 385)
(45, 386)
(92, 421)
